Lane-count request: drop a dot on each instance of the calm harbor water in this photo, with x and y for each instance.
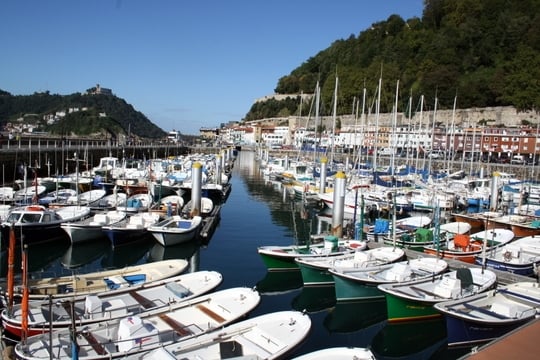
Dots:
(258, 213)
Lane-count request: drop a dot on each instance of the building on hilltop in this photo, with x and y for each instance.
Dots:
(98, 90)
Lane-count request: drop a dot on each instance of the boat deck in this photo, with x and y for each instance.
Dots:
(503, 277)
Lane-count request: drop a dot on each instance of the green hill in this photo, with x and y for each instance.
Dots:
(482, 52)
(94, 115)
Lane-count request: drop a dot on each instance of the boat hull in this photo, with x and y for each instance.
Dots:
(173, 238)
(122, 237)
(313, 275)
(282, 258)
(401, 309)
(527, 269)
(79, 234)
(349, 290)
(466, 333)
(524, 230)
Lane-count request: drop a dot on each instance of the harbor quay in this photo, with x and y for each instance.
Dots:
(49, 157)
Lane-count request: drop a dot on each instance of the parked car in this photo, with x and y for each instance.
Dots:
(517, 160)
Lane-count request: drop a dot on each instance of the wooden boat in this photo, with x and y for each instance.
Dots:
(521, 256)
(96, 308)
(487, 316)
(131, 230)
(315, 270)
(361, 284)
(465, 248)
(269, 336)
(129, 278)
(176, 230)
(137, 334)
(338, 353)
(281, 258)
(477, 220)
(91, 228)
(414, 300)
(526, 228)
(506, 221)
(36, 223)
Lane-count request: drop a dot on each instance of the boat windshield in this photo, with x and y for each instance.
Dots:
(17, 217)
(30, 218)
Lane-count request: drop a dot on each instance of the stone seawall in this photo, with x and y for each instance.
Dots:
(506, 116)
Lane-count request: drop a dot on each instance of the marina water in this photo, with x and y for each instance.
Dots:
(259, 212)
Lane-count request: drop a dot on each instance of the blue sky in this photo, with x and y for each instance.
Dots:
(184, 64)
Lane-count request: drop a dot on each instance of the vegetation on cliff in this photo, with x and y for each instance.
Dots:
(103, 115)
(482, 52)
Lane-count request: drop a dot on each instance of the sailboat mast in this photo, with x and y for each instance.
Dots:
(421, 134)
(334, 123)
(317, 118)
(377, 116)
(433, 133)
(394, 124)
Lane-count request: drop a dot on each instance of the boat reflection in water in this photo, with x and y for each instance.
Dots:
(121, 256)
(80, 254)
(280, 282)
(353, 316)
(411, 340)
(315, 298)
(40, 257)
(189, 251)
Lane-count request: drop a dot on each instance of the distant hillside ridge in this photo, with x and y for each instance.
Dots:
(97, 112)
(476, 53)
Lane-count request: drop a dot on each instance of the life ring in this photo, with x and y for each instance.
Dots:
(507, 255)
(34, 208)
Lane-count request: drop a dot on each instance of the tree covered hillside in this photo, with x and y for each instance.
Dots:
(105, 114)
(484, 52)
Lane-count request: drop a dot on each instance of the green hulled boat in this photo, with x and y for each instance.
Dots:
(315, 270)
(281, 258)
(414, 300)
(361, 284)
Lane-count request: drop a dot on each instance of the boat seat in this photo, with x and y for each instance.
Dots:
(100, 219)
(362, 256)
(511, 251)
(448, 288)
(94, 343)
(218, 318)
(398, 272)
(505, 309)
(135, 222)
(116, 282)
